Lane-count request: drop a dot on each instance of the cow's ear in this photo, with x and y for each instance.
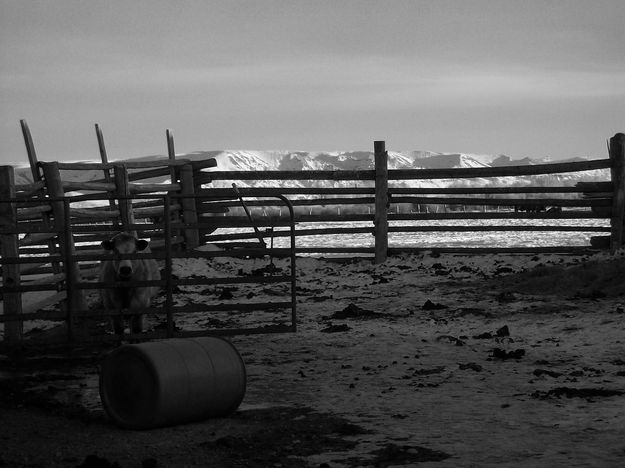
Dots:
(141, 244)
(108, 245)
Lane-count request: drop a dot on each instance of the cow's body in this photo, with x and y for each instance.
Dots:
(128, 297)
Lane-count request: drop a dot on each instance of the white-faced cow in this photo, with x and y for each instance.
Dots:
(142, 269)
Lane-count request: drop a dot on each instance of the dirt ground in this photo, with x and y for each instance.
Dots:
(425, 360)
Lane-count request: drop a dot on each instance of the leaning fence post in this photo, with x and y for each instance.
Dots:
(617, 170)
(36, 173)
(62, 228)
(380, 220)
(30, 151)
(189, 213)
(104, 158)
(171, 154)
(9, 247)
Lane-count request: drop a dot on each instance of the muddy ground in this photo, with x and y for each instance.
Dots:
(425, 360)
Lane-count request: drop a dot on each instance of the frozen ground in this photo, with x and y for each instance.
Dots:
(431, 360)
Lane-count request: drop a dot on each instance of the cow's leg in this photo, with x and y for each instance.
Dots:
(139, 301)
(118, 325)
(136, 323)
(110, 300)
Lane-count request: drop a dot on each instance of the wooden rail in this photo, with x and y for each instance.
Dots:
(47, 231)
(382, 197)
(412, 174)
(77, 260)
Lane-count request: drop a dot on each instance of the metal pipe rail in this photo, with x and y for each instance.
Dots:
(72, 310)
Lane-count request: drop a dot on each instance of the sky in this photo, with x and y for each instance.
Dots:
(521, 78)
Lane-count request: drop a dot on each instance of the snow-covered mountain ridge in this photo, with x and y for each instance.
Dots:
(247, 160)
(237, 160)
(364, 160)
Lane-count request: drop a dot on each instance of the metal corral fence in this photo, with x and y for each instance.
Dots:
(67, 273)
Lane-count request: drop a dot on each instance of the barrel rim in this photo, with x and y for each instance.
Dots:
(110, 409)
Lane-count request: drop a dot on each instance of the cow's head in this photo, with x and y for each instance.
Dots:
(124, 243)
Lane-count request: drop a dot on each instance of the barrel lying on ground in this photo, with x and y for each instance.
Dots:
(172, 381)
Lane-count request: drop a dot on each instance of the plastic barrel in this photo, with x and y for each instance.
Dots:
(171, 382)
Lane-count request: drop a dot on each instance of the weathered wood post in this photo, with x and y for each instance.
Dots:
(104, 158)
(171, 153)
(30, 151)
(617, 170)
(62, 226)
(380, 220)
(37, 177)
(122, 184)
(189, 212)
(9, 247)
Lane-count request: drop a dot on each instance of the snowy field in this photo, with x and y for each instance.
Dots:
(451, 239)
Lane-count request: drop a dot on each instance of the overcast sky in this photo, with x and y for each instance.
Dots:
(524, 78)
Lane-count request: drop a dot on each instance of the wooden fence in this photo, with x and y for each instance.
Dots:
(379, 195)
(68, 271)
(48, 231)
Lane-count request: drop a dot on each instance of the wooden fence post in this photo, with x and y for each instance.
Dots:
(9, 247)
(123, 192)
(104, 158)
(380, 221)
(189, 212)
(62, 227)
(30, 151)
(617, 170)
(171, 154)
(34, 168)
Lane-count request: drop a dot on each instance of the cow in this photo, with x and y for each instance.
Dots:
(141, 269)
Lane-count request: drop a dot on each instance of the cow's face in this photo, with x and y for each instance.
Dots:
(124, 244)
